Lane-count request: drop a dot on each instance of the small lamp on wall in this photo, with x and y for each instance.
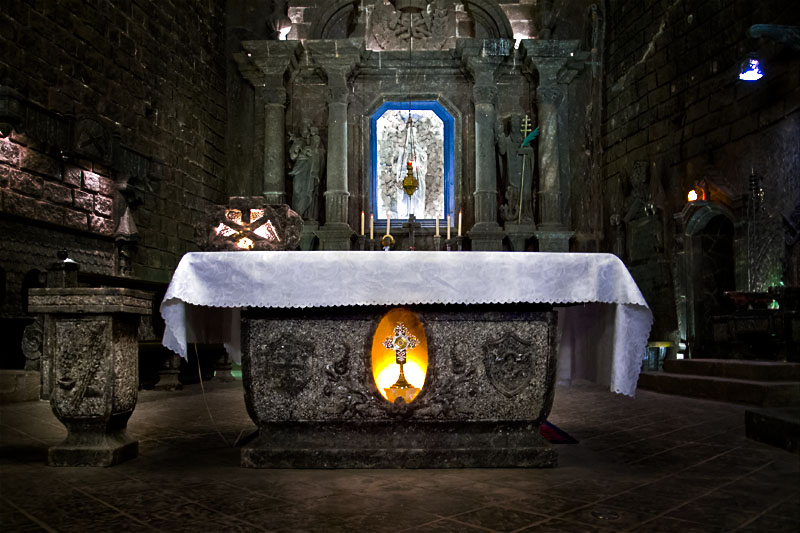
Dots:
(697, 194)
(750, 69)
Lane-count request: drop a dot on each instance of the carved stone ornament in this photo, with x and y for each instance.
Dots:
(32, 341)
(248, 224)
(431, 27)
(91, 139)
(509, 364)
(274, 96)
(289, 365)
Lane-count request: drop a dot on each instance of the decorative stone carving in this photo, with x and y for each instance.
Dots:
(91, 139)
(509, 363)
(513, 170)
(308, 157)
(309, 387)
(431, 29)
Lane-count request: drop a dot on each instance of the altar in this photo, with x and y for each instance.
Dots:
(312, 328)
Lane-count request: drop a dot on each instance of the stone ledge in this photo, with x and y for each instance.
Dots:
(82, 300)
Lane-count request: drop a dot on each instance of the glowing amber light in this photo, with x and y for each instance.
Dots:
(385, 370)
(692, 195)
(245, 244)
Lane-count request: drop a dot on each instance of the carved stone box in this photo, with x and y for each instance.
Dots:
(310, 386)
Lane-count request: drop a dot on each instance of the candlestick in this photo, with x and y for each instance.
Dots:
(437, 224)
(448, 227)
(362, 222)
(459, 223)
(371, 225)
(388, 223)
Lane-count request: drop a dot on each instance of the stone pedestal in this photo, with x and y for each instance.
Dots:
(519, 234)
(309, 387)
(90, 335)
(553, 239)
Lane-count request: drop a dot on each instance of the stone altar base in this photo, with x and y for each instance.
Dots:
(310, 389)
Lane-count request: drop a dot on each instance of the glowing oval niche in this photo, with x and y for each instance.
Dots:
(391, 336)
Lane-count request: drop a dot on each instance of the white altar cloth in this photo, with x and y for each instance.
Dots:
(603, 340)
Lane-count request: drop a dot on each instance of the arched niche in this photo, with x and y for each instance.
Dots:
(705, 268)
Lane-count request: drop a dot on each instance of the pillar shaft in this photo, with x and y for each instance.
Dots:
(274, 177)
(336, 195)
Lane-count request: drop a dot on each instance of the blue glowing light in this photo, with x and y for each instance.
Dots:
(751, 71)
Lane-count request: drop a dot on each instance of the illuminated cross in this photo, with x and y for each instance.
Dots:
(400, 341)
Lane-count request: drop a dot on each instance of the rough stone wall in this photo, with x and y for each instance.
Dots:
(676, 113)
(153, 74)
(148, 78)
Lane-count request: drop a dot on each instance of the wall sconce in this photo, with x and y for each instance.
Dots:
(750, 69)
(697, 194)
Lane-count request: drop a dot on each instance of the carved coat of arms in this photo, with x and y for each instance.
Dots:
(432, 29)
(288, 365)
(509, 364)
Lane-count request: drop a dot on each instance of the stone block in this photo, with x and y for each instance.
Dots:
(19, 386)
(9, 152)
(101, 225)
(57, 193)
(76, 220)
(41, 164)
(97, 183)
(83, 200)
(27, 184)
(103, 205)
(72, 176)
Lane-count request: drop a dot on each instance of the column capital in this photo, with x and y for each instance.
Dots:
(555, 61)
(336, 58)
(481, 57)
(265, 63)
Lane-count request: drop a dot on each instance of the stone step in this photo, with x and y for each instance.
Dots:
(777, 427)
(735, 369)
(751, 392)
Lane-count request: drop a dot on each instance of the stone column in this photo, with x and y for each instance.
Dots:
(481, 59)
(265, 64)
(336, 59)
(554, 61)
(90, 335)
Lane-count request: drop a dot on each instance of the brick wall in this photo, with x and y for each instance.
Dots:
(674, 102)
(152, 75)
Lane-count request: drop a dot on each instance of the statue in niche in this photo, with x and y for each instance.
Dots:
(512, 155)
(308, 158)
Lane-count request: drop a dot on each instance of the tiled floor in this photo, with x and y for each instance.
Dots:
(655, 463)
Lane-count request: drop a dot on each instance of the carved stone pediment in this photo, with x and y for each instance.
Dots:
(433, 28)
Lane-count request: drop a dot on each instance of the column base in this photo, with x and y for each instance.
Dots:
(519, 234)
(93, 448)
(335, 236)
(553, 238)
(169, 373)
(487, 237)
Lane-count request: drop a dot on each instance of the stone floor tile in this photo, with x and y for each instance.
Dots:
(708, 515)
(562, 526)
(543, 504)
(445, 525)
(672, 525)
(500, 518)
(773, 524)
(607, 517)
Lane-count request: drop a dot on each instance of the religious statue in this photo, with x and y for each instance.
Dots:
(517, 166)
(308, 157)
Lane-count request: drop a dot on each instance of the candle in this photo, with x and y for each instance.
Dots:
(362, 222)
(437, 224)
(371, 225)
(388, 223)
(459, 223)
(448, 227)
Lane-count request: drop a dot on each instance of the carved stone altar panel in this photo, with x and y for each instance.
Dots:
(309, 386)
(431, 29)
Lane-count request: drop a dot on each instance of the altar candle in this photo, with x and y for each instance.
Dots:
(388, 223)
(459, 223)
(448, 227)
(437, 224)
(362, 222)
(371, 225)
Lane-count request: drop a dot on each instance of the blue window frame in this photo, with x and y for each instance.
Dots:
(449, 138)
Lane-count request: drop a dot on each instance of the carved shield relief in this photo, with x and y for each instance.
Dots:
(509, 364)
(288, 365)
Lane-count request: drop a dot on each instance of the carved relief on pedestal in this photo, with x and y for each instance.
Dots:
(288, 364)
